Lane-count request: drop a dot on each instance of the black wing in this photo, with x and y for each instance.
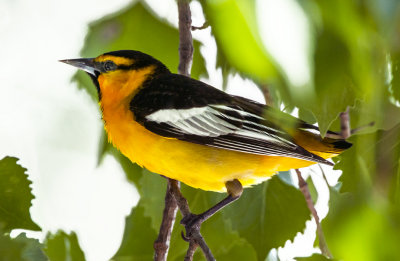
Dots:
(180, 107)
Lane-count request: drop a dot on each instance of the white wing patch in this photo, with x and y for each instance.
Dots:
(313, 131)
(173, 115)
(200, 121)
(209, 122)
(228, 128)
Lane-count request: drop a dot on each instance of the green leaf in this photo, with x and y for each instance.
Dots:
(357, 230)
(314, 257)
(268, 215)
(20, 248)
(234, 26)
(137, 243)
(312, 189)
(372, 164)
(372, 161)
(386, 16)
(364, 221)
(350, 64)
(62, 246)
(33, 250)
(132, 171)
(16, 196)
(334, 85)
(137, 28)
(307, 116)
(104, 147)
(395, 83)
(233, 246)
(152, 190)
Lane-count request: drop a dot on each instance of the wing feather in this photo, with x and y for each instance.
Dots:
(189, 110)
(232, 131)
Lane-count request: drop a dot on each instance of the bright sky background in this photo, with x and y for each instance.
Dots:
(54, 128)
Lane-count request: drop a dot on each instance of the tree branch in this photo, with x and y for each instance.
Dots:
(304, 189)
(174, 197)
(161, 245)
(185, 37)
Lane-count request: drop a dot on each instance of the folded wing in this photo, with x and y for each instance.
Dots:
(211, 117)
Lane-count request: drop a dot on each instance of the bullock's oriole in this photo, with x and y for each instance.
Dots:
(187, 130)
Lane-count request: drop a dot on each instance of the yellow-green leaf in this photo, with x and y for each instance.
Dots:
(62, 246)
(15, 196)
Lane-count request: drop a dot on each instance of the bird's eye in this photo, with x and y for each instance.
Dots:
(109, 66)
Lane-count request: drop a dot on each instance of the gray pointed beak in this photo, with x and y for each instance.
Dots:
(86, 64)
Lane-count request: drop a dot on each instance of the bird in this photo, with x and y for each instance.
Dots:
(187, 130)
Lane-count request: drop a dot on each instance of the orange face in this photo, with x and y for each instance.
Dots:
(119, 85)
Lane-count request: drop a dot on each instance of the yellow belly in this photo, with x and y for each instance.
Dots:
(196, 165)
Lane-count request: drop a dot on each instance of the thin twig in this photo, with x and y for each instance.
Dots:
(180, 200)
(355, 130)
(335, 135)
(345, 124)
(304, 189)
(190, 252)
(204, 26)
(194, 237)
(185, 37)
(161, 245)
(267, 94)
(324, 176)
(203, 245)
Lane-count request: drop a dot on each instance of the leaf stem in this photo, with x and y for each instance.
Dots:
(306, 192)
(204, 26)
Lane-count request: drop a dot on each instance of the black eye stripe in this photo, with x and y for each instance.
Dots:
(109, 65)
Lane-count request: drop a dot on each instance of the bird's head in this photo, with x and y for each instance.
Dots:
(119, 71)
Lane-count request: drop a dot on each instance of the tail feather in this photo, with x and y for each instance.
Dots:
(341, 144)
(325, 148)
